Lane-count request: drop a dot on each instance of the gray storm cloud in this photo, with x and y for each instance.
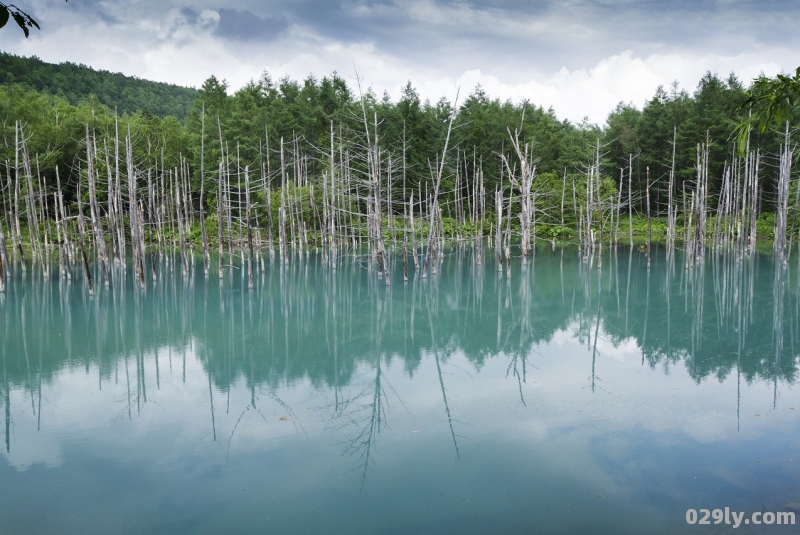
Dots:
(247, 26)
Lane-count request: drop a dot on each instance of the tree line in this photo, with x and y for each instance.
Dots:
(254, 122)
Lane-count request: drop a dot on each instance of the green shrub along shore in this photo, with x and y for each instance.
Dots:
(455, 232)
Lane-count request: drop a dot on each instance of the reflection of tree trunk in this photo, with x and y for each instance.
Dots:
(670, 260)
(120, 307)
(441, 380)
(446, 405)
(207, 350)
(27, 360)
(778, 289)
(229, 354)
(127, 381)
(332, 319)
(43, 322)
(140, 368)
(2, 256)
(594, 348)
(6, 385)
(739, 348)
(245, 344)
(499, 291)
(413, 307)
(512, 368)
(628, 289)
(211, 402)
(616, 273)
(525, 334)
(327, 321)
(697, 275)
(377, 418)
(362, 444)
(156, 348)
(647, 310)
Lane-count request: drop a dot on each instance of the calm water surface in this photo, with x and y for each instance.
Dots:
(570, 398)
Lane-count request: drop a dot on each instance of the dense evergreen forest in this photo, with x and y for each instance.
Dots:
(325, 146)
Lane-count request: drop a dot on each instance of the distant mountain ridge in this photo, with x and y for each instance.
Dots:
(76, 82)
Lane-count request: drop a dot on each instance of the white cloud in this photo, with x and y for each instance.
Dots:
(555, 57)
(594, 92)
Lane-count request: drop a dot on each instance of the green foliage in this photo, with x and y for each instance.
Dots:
(266, 119)
(771, 102)
(450, 227)
(55, 134)
(674, 121)
(765, 225)
(482, 131)
(555, 231)
(76, 83)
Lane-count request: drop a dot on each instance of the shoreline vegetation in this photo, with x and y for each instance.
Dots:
(281, 167)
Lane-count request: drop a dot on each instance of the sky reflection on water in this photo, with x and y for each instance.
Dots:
(565, 399)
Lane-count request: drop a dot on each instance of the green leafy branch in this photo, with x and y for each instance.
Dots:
(771, 102)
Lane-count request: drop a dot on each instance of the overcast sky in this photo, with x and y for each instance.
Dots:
(580, 56)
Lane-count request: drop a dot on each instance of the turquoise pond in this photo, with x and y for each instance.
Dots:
(571, 397)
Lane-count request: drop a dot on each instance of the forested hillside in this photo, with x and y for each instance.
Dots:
(77, 82)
